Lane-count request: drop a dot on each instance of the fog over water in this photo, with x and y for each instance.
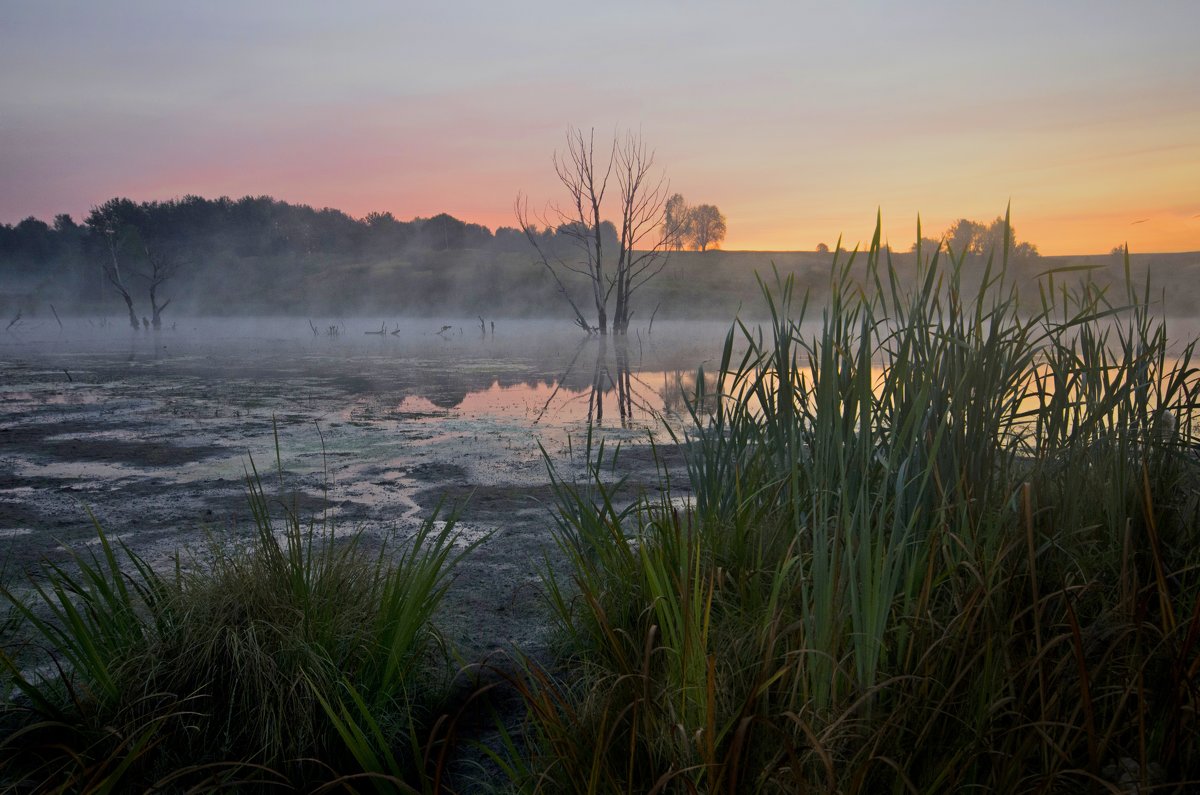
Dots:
(153, 432)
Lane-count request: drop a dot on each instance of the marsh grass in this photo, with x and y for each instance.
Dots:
(945, 540)
(292, 658)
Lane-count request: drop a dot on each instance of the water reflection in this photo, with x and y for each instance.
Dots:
(600, 383)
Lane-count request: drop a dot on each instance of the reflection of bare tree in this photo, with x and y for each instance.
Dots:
(617, 378)
(678, 391)
(611, 376)
(562, 380)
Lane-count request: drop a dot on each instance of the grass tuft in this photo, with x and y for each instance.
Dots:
(288, 659)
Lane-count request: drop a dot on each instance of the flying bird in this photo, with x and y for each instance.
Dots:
(1144, 220)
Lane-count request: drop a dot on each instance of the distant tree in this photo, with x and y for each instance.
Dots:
(822, 248)
(993, 242)
(444, 232)
(508, 238)
(707, 226)
(65, 225)
(677, 221)
(385, 234)
(161, 269)
(137, 235)
(106, 220)
(928, 246)
(965, 237)
(378, 220)
(971, 237)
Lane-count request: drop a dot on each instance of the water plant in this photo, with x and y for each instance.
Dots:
(938, 538)
(288, 659)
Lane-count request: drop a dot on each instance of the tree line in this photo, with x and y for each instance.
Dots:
(148, 252)
(966, 237)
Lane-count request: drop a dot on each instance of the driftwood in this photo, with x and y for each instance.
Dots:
(381, 332)
(56, 317)
(14, 321)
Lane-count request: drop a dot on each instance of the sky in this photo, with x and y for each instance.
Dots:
(799, 120)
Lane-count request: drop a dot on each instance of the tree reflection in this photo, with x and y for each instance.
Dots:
(611, 377)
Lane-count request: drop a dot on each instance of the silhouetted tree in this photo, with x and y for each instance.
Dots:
(822, 248)
(641, 241)
(928, 246)
(677, 220)
(971, 237)
(112, 271)
(964, 237)
(161, 269)
(707, 226)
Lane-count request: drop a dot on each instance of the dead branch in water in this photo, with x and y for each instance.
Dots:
(14, 321)
(56, 317)
(381, 332)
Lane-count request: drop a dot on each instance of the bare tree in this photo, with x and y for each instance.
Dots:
(641, 244)
(161, 269)
(707, 227)
(112, 271)
(644, 240)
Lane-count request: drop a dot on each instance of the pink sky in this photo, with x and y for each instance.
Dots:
(799, 120)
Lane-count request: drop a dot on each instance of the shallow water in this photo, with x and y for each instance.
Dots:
(154, 431)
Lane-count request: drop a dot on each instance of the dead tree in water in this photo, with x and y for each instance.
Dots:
(645, 237)
(112, 271)
(161, 269)
(641, 243)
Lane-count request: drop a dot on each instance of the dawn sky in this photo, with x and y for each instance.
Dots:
(797, 119)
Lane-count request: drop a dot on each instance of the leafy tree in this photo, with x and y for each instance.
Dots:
(965, 237)
(972, 237)
(707, 226)
(822, 248)
(677, 222)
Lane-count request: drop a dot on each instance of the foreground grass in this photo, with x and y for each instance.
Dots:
(294, 660)
(938, 541)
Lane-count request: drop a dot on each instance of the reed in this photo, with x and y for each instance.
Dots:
(283, 661)
(937, 538)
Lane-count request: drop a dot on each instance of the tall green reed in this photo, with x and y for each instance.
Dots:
(904, 517)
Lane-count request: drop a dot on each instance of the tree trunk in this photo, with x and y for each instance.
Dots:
(133, 318)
